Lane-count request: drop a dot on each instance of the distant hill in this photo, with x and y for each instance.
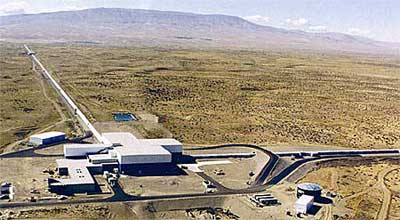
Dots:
(163, 28)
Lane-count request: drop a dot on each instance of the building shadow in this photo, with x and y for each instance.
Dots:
(58, 188)
(323, 200)
(154, 170)
(314, 209)
(186, 159)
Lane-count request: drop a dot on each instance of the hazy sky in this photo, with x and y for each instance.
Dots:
(377, 19)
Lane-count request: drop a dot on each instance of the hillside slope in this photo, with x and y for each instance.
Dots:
(148, 27)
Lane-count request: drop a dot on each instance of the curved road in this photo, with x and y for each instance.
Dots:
(259, 186)
(121, 196)
(31, 151)
(267, 169)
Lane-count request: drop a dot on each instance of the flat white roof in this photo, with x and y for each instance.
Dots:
(73, 163)
(123, 138)
(161, 141)
(305, 199)
(133, 146)
(85, 146)
(48, 134)
(101, 156)
(77, 171)
(142, 150)
(78, 175)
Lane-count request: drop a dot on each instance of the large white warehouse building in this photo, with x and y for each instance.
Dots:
(127, 153)
(128, 149)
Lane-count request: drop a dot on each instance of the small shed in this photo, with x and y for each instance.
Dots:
(304, 204)
(47, 138)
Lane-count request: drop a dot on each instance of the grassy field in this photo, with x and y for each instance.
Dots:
(215, 96)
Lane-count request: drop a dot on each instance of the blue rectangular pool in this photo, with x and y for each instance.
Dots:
(124, 117)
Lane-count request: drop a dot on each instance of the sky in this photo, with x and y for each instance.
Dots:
(376, 19)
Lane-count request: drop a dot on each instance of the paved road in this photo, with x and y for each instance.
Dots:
(121, 196)
(260, 184)
(267, 169)
(219, 186)
(31, 151)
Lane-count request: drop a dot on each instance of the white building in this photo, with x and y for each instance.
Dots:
(170, 144)
(79, 179)
(304, 204)
(143, 155)
(151, 150)
(124, 151)
(82, 150)
(47, 138)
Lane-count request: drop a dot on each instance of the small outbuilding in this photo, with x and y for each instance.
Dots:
(47, 138)
(304, 204)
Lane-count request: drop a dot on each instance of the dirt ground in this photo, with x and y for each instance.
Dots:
(141, 129)
(26, 175)
(392, 182)
(161, 185)
(229, 207)
(226, 207)
(236, 174)
(355, 199)
(361, 190)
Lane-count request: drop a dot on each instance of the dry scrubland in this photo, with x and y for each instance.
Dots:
(72, 212)
(24, 109)
(392, 181)
(162, 185)
(360, 189)
(28, 105)
(210, 97)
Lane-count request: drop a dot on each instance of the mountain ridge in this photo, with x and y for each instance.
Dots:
(117, 26)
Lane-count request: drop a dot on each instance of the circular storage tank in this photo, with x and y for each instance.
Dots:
(310, 189)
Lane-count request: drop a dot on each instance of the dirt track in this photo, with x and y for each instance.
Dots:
(328, 213)
(56, 105)
(387, 194)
